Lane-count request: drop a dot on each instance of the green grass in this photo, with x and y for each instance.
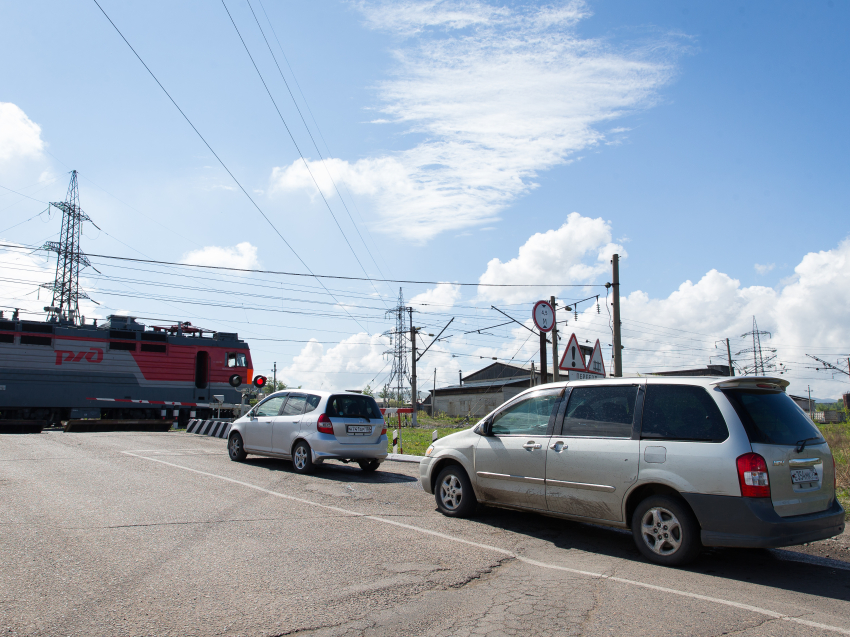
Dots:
(838, 437)
(415, 441)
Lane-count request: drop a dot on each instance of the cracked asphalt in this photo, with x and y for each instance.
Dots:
(175, 539)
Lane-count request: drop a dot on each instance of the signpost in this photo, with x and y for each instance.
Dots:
(544, 319)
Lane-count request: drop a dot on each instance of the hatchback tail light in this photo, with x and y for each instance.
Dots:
(324, 425)
(752, 475)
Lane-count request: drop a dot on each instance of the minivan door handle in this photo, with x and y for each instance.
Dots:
(532, 445)
(558, 446)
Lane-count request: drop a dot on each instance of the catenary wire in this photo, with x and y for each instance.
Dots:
(236, 181)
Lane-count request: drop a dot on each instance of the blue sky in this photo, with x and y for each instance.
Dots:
(694, 137)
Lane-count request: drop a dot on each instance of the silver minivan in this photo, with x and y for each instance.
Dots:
(683, 462)
(310, 427)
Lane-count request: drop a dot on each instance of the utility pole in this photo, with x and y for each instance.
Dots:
(729, 354)
(618, 347)
(556, 375)
(434, 396)
(413, 394)
(531, 381)
(810, 401)
(544, 367)
(274, 378)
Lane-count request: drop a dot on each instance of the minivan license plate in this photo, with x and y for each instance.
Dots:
(804, 475)
(358, 429)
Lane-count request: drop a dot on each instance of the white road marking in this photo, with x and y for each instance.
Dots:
(487, 547)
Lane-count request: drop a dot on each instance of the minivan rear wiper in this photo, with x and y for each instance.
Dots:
(801, 444)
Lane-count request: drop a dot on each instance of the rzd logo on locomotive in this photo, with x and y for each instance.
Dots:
(95, 355)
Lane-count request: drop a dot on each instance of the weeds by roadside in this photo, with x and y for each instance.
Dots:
(416, 441)
(838, 437)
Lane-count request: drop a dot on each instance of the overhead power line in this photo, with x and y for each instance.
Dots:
(289, 132)
(315, 145)
(321, 135)
(220, 161)
(311, 275)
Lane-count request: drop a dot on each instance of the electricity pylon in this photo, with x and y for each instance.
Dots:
(760, 362)
(65, 307)
(400, 371)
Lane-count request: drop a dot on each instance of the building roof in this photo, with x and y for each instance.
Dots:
(496, 370)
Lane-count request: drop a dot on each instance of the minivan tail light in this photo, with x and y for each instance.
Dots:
(324, 425)
(752, 475)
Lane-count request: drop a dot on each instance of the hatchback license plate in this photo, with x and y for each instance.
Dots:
(804, 475)
(358, 429)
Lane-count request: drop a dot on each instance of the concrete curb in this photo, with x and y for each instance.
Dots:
(397, 457)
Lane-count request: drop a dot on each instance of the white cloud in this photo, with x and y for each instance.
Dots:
(242, 255)
(349, 365)
(807, 314)
(19, 135)
(437, 299)
(577, 252)
(499, 94)
(764, 269)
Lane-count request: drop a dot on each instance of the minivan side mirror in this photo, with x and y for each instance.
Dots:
(484, 428)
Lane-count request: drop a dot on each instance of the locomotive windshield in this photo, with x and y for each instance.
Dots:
(237, 360)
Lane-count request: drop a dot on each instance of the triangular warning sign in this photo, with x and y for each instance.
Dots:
(572, 359)
(596, 365)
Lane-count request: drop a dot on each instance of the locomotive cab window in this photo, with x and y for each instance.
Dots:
(237, 360)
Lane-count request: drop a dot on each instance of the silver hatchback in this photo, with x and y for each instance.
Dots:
(310, 427)
(682, 462)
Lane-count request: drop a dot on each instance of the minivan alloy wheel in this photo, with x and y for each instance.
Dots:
(661, 531)
(451, 492)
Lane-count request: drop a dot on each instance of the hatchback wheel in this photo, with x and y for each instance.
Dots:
(666, 531)
(369, 465)
(454, 494)
(235, 447)
(302, 458)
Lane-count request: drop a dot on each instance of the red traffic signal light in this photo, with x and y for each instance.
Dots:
(260, 381)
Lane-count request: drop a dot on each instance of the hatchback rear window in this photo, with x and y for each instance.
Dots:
(772, 418)
(681, 412)
(343, 406)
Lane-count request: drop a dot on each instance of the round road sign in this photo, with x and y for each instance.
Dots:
(544, 316)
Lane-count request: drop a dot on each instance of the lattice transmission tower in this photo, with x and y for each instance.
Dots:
(400, 351)
(65, 307)
(760, 360)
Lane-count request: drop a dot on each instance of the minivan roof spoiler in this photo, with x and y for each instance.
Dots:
(754, 382)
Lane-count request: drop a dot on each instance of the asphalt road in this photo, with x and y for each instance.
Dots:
(161, 534)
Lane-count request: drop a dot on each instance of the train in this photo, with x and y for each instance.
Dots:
(121, 369)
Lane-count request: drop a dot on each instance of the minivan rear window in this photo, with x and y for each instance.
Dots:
(346, 406)
(681, 412)
(772, 418)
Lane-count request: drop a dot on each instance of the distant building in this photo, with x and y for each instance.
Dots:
(806, 404)
(481, 392)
